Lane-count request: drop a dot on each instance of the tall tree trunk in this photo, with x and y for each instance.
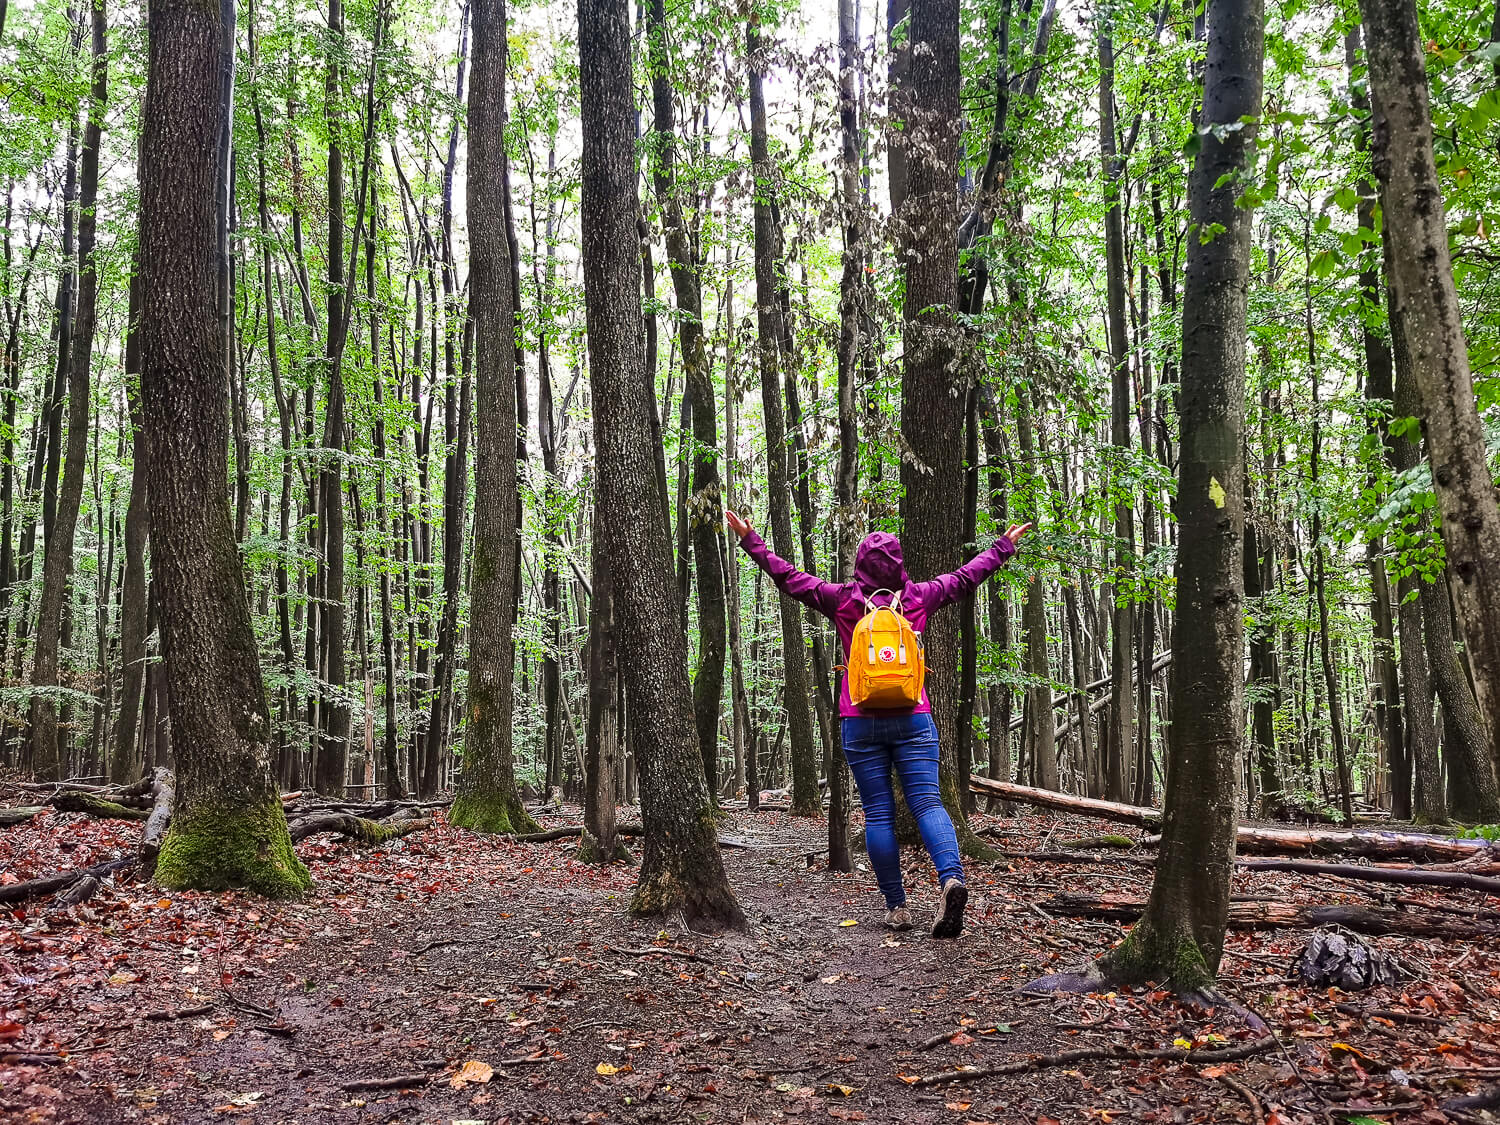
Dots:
(124, 760)
(806, 798)
(487, 800)
(1181, 934)
(933, 399)
(681, 868)
(705, 506)
(46, 751)
(455, 463)
(333, 710)
(1422, 282)
(853, 296)
(1379, 388)
(1117, 752)
(1043, 725)
(228, 827)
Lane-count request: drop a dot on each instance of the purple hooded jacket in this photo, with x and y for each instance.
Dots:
(878, 565)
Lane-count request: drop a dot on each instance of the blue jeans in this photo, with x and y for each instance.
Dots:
(872, 745)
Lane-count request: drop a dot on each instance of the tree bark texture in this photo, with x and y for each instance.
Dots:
(681, 868)
(1180, 937)
(228, 828)
(806, 798)
(487, 800)
(46, 753)
(934, 391)
(1422, 280)
(705, 505)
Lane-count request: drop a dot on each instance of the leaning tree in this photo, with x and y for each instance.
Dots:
(681, 868)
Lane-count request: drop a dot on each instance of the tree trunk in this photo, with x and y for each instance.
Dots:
(1043, 733)
(1180, 937)
(46, 750)
(1117, 753)
(807, 800)
(487, 799)
(705, 505)
(681, 868)
(1422, 284)
(933, 390)
(1464, 742)
(228, 828)
(333, 711)
(602, 743)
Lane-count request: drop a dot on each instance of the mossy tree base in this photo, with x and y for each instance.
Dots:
(216, 849)
(970, 845)
(491, 813)
(664, 893)
(590, 852)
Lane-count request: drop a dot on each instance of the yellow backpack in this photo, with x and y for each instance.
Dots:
(886, 664)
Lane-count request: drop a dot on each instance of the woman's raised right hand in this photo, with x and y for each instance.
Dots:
(737, 524)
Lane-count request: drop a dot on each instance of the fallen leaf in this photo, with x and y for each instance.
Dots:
(835, 1088)
(959, 1107)
(849, 922)
(606, 1069)
(472, 1071)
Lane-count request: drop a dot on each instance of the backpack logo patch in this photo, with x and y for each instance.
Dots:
(887, 654)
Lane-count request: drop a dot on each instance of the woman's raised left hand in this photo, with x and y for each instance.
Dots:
(1016, 531)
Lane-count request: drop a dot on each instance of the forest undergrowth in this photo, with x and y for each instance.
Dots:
(446, 977)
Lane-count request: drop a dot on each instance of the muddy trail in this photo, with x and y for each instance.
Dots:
(445, 977)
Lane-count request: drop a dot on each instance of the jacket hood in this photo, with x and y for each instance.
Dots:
(878, 564)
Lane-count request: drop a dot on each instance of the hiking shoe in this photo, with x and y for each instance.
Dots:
(950, 919)
(898, 918)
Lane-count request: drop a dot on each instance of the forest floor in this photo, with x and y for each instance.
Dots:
(483, 980)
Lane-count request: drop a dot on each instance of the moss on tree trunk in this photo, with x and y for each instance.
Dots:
(491, 812)
(215, 849)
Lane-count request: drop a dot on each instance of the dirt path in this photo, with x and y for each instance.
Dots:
(449, 949)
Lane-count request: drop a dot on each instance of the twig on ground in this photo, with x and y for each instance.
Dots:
(181, 1013)
(1389, 1014)
(1257, 1114)
(398, 1082)
(938, 1039)
(249, 1006)
(1113, 1053)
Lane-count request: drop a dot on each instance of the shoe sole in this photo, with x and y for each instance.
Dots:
(951, 924)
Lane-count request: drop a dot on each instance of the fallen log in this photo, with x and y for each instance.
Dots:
(1255, 840)
(164, 792)
(1067, 802)
(95, 805)
(80, 892)
(50, 884)
(1404, 876)
(630, 831)
(1276, 915)
(354, 827)
(21, 814)
(1401, 876)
